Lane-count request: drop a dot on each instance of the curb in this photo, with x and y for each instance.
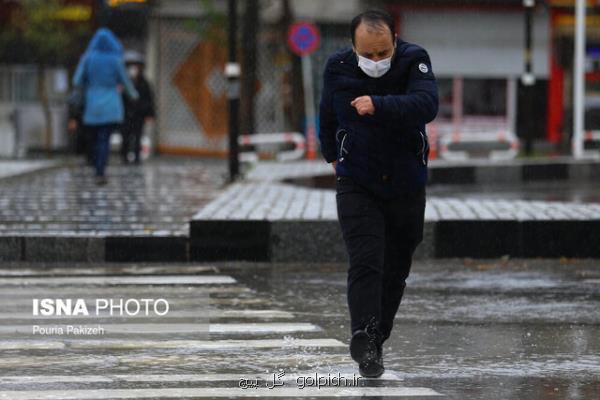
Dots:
(94, 249)
(321, 241)
(310, 241)
(513, 173)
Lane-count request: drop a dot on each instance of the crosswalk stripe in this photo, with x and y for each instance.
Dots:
(199, 303)
(31, 345)
(261, 327)
(217, 392)
(146, 328)
(111, 378)
(188, 357)
(129, 290)
(224, 344)
(210, 314)
(134, 270)
(119, 280)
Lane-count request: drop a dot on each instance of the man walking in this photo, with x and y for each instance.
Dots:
(377, 98)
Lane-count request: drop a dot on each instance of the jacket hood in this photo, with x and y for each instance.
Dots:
(105, 41)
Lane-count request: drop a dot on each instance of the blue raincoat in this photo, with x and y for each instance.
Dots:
(100, 70)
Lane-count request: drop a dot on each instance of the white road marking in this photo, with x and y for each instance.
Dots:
(135, 270)
(232, 344)
(197, 302)
(275, 327)
(217, 392)
(120, 280)
(211, 314)
(248, 328)
(41, 379)
(31, 345)
(121, 290)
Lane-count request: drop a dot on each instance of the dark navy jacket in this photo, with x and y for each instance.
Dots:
(386, 152)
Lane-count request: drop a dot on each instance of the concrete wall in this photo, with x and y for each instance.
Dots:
(477, 43)
(313, 10)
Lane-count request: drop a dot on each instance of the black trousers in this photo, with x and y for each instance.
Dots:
(381, 236)
(131, 131)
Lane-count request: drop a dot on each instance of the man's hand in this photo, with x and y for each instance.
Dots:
(364, 105)
(334, 163)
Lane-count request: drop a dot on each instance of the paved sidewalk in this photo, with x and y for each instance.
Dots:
(61, 214)
(153, 199)
(12, 168)
(279, 201)
(269, 216)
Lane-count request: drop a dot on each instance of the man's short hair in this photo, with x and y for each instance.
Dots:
(374, 18)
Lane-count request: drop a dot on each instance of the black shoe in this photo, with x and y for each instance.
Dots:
(101, 180)
(366, 350)
(372, 368)
(362, 347)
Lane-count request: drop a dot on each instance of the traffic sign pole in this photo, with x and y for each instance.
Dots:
(309, 108)
(303, 39)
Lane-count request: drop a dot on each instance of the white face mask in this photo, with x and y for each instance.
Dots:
(374, 69)
(134, 71)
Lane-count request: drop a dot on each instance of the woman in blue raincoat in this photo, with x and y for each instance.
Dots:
(100, 72)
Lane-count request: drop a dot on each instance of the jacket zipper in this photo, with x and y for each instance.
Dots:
(342, 147)
(423, 148)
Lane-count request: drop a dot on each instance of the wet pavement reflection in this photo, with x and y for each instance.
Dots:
(577, 192)
(505, 329)
(155, 198)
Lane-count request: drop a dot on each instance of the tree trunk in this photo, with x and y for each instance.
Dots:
(45, 103)
(249, 62)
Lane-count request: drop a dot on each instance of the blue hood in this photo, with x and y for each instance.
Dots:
(104, 41)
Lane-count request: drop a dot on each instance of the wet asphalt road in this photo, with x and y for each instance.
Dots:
(475, 329)
(467, 329)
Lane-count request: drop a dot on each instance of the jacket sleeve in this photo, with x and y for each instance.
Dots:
(327, 118)
(79, 75)
(420, 103)
(148, 95)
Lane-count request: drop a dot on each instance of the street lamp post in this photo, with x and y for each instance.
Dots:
(232, 72)
(578, 79)
(528, 78)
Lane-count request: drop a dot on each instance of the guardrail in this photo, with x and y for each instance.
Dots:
(272, 145)
(460, 146)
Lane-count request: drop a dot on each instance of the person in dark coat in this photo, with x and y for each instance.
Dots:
(376, 99)
(101, 73)
(137, 112)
